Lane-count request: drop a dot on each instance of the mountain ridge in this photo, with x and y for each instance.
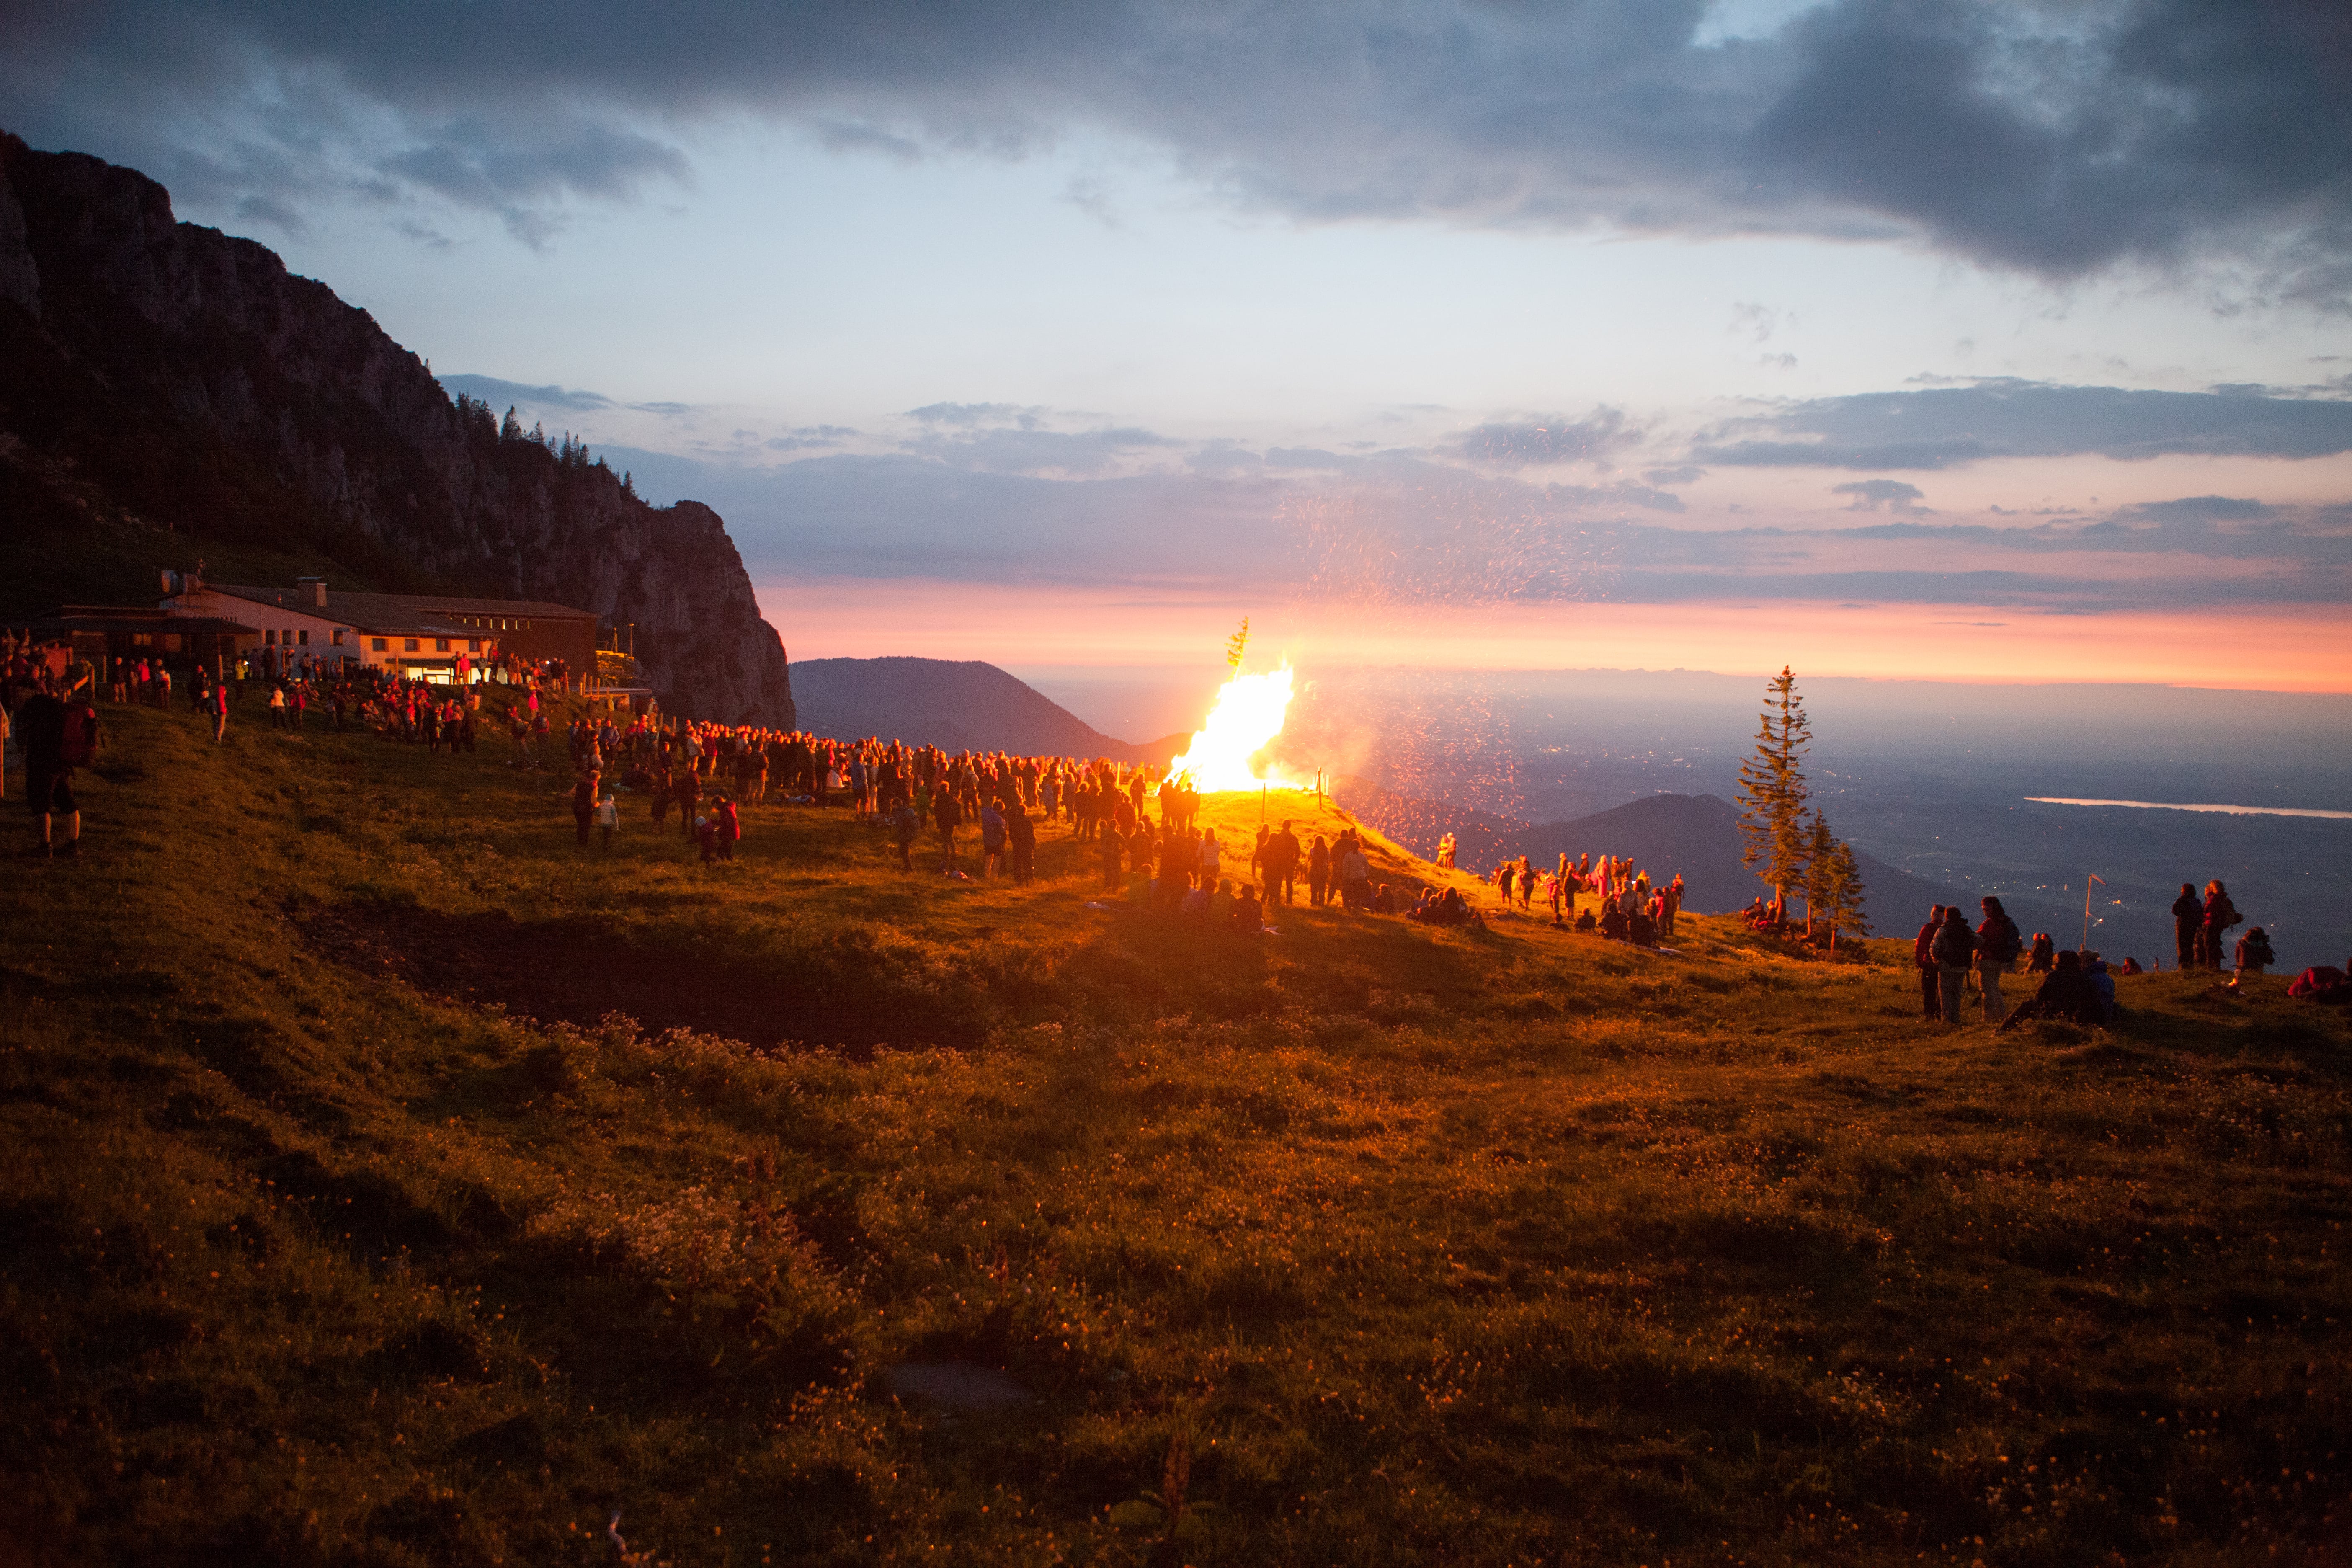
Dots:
(166, 389)
(955, 704)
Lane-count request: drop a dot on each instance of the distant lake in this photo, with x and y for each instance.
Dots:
(2178, 805)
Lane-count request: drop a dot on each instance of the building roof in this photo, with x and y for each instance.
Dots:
(138, 618)
(403, 613)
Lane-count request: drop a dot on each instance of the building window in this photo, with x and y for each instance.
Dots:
(270, 638)
(305, 635)
(473, 645)
(409, 645)
(339, 636)
(377, 644)
(440, 645)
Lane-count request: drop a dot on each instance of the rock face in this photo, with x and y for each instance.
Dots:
(170, 373)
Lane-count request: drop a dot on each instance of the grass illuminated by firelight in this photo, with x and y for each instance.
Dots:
(345, 1221)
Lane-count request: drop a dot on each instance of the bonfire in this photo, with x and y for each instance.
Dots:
(1247, 717)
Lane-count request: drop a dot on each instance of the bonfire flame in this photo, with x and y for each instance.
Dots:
(1246, 719)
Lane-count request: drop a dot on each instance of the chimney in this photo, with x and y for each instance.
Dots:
(313, 589)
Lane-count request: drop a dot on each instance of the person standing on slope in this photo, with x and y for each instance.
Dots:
(1923, 956)
(53, 739)
(1954, 951)
(1998, 945)
(2220, 914)
(2188, 921)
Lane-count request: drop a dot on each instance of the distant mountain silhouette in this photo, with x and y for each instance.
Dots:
(957, 705)
(1696, 837)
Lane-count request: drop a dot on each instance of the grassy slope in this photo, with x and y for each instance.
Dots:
(1482, 1247)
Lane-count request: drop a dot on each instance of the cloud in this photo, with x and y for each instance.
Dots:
(974, 415)
(1026, 450)
(1121, 506)
(2053, 140)
(1952, 426)
(1530, 444)
(1881, 495)
(490, 389)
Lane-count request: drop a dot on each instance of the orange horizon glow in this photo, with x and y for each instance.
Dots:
(2300, 647)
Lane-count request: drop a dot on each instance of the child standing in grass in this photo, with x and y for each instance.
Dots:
(608, 817)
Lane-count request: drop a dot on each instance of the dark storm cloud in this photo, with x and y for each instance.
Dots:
(1950, 426)
(2054, 138)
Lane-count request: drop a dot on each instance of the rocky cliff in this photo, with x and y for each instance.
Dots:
(162, 376)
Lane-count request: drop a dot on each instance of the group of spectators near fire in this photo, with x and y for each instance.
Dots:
(981, 814)
(984, 811)
(2078, 986)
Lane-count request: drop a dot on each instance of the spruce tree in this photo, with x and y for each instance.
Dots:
(1772, 791)
(1834, 890)
(1821, 865)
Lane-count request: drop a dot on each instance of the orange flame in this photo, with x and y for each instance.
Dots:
(1247, 717)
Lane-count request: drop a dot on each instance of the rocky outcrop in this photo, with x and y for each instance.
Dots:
(189, 378)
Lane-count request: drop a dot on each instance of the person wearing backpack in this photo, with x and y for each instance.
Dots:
(1923, 958)
(1998, 945)
(1954, 950)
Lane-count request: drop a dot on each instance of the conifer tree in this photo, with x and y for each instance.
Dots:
(1821, 865)
(513, 429)
(1834, 890)
(1772, 791)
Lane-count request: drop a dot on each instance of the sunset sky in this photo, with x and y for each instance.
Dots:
(1918, 339)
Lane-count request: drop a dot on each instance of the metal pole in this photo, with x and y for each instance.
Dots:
(2086, 918)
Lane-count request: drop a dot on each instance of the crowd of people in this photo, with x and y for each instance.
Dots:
(980, 813)
(2077, 986)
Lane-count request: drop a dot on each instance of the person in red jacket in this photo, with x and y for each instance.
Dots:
(2220, 914)
(731, 826)
(1930, 998)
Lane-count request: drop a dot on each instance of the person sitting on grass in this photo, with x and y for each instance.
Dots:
(1196, 902)
(1249, 914)
(1221, 902)
(2067, 997)
(1640, 929)
(1614, 924)
(1586, 924)
(1384, 901)
(2094, 969)
(2254, 953)
(2044, 954)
